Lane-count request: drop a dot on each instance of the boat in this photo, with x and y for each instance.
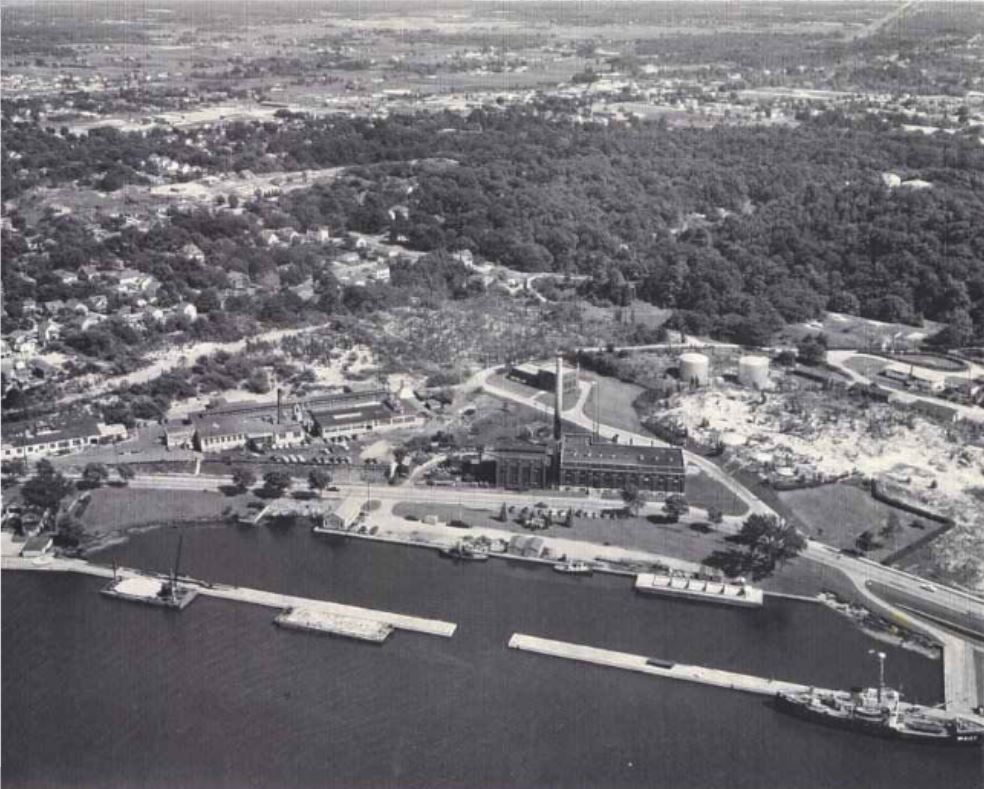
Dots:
(463, 552)
(574, 567)
(881, 712)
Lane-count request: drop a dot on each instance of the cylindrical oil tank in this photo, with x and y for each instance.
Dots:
(694, 369)
(753, 371)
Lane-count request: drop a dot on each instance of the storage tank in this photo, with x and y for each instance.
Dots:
(753, 371)
(694, 369)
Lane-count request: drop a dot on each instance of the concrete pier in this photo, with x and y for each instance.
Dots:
(657, 668)
(280, 602)
(333, 625)
(696, 589)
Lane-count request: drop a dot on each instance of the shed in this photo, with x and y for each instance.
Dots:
(345, 513)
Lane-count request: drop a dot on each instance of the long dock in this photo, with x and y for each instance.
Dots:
(325, 609)
(657, 668)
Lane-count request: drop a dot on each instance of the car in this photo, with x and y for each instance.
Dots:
(927, 587)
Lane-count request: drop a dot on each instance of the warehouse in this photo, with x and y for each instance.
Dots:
(543, 375)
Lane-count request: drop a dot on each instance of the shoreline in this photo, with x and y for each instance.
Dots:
(904, 641)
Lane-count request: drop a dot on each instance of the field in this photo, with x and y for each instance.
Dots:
(837, 514)
(851, 331)
(113, 509)
(868, 366)
(613, 399)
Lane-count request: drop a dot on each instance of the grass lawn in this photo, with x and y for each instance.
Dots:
(111, 509)
(614, 399)
(837, 514)
(704, 492)
(677, 540)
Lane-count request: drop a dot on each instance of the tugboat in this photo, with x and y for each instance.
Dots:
(880, 711)
(464, 552)
(574, 567)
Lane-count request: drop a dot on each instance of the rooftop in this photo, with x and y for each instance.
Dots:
(22, 434)
(578, 448)
(355, 414)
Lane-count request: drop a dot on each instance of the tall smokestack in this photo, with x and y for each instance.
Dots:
(558, 395)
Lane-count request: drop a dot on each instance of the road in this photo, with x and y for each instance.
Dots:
(839, 359)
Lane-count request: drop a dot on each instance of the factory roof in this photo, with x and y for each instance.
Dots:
(209, 424)
(24, 434)
(356, 414)
(588, 450)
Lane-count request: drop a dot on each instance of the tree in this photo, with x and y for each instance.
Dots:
(866, 542)
(769, 542)
(125, 473)
(243, 478)
(811, 350)
(276, 483)
(318, 480)
(259, 382)
(504, 513)
(714, 515)
(15, 469)
(46, 488)
(675, 506)
(892, 525)
(94, 474)
(632, 498)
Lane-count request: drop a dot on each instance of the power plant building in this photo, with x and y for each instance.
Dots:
(590, 462)
(580, 460)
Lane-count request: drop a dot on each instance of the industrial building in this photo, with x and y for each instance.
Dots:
(219, 432)
(586, 461)
(30, 441)
(353, 421)
(281, 423)
(543, 375)
(520, 465)
(581, 460)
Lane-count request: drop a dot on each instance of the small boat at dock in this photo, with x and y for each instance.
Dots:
(464, 552)
(574, 567)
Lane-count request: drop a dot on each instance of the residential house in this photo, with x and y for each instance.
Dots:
(131, 281)
(192, 252)
(65, 277)
(153, 314)
(238, 280)
(29, 307)
(54, 306)
(89, 321)
(99, 302)
(48, 331)
(270, 238)
(186, 310)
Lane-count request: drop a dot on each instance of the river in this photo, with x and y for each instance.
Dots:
(97, 692)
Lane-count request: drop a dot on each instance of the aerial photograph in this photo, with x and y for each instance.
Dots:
(492, 393)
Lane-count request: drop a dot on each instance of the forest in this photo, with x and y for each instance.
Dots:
(737, 229)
